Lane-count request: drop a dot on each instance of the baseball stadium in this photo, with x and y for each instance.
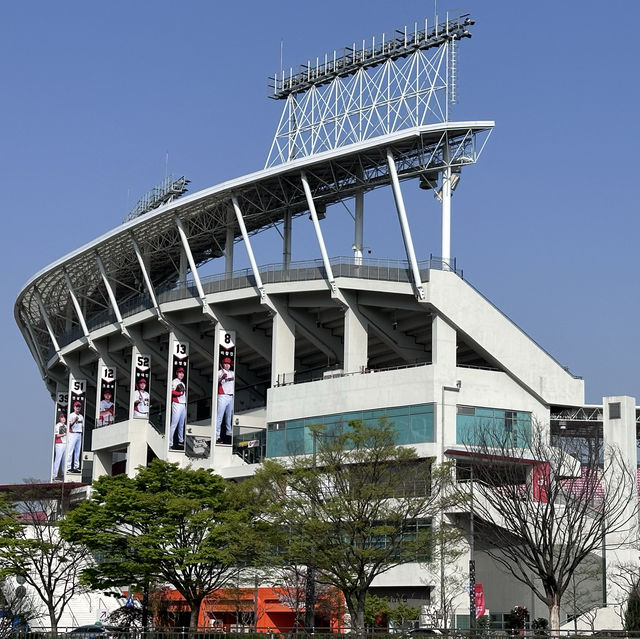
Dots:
(154, 344)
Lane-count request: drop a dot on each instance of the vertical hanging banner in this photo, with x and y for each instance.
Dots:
(75, 423)
(480, 606)
(60, 433)
(141, 378)
(179, 375)
(226, 351)
(106, 398)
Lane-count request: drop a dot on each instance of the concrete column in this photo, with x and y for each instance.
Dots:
(136, 450)
(445, 389)
(102, 462)
(619, 430)
(283, 347)
(355, 341)
(443, 346)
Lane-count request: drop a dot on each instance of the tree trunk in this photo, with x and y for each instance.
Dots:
(554, 616)
(53, 622)
(358, 622)
(195, 614)
(145, 606)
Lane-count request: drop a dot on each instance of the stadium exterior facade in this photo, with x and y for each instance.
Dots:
(112, 324)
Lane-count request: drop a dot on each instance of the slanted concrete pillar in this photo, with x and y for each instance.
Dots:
(355, 340)
(283, 347)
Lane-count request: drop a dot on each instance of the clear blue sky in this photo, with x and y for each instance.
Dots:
(94, 95)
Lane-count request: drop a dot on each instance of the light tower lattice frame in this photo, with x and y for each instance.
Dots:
(368, 91)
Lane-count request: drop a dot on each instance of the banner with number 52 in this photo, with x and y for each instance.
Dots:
(141, 385)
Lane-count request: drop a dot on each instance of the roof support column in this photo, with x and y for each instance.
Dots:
(404, 225)
(446, 206)
(316, 225)
(359, 228)
(47, 323)
(283, 346)
(76, 305)
(111, 295)
(228, 245)
(245, 237)
(186, 249)
(286, 241)
(145, 275)
(33, 347)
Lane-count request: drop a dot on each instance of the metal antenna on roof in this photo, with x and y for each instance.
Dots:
(281, 52)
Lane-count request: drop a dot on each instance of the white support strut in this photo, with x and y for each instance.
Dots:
(47, 322)
(110, 293)
(192, 263)
(446, 206)
(76, 306)
(316, 225)
(145, 275)
(247, 243)
(404, 225)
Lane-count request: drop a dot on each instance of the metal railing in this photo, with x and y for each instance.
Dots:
(369, 269)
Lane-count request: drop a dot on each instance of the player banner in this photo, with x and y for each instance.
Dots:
(226, 350)
(75, 423)
(179, 375)
(60, 433)
(141, 385)
(106, 406)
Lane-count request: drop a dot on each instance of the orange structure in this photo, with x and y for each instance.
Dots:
(263, 609)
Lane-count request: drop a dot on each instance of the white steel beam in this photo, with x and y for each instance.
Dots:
(446, 206)
(47, 323)
(404, 225)
(247, 243)
(76, 306)
(316, 225)
(111, 295)
(33, 347)
(145, 275)
(228, 245)
(192, 263)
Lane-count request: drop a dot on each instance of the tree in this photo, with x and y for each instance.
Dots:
(168, 525)
(543, 508)
(632, 614)
(448, 549)
(359, 507)
(31, 547)
(18, 609)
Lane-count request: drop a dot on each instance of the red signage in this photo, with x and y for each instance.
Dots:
(480, 609)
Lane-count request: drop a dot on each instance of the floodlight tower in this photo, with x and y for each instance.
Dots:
(372, 89)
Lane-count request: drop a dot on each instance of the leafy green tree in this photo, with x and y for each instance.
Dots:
(355, 509)
(376, 611)
(403, 614)
(170, 525)
(31, 547)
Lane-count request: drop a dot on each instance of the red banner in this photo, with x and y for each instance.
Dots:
(480, 609)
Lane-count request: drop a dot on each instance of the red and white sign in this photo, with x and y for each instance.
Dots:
(480, 609)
